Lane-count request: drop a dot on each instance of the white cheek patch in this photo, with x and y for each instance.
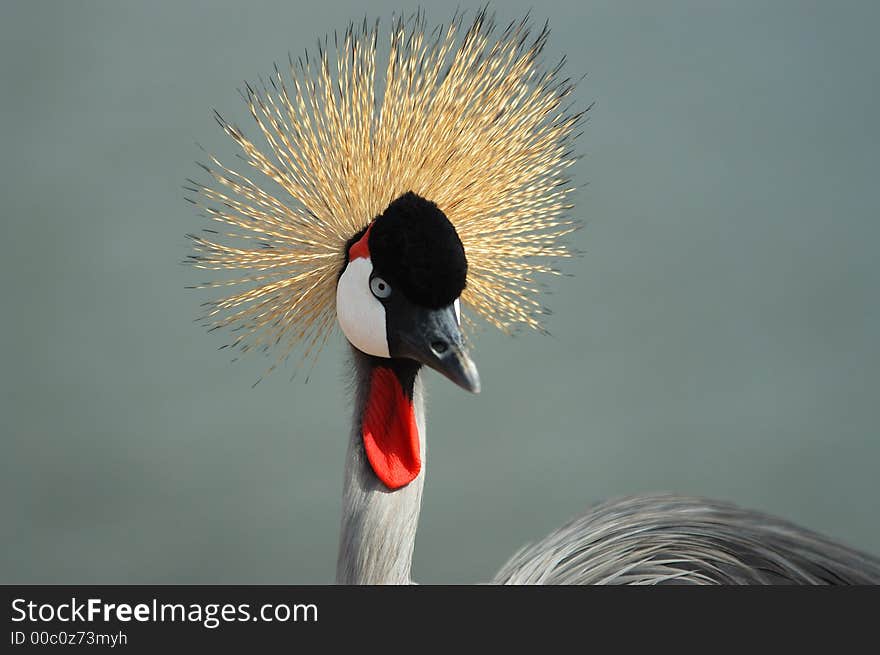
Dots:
(457, 306)
(360, 314)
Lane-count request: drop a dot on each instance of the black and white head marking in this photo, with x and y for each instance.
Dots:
(408, 263)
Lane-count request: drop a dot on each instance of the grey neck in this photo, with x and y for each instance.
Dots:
(378, 529)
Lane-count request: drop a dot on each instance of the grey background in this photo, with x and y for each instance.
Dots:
(720, 335)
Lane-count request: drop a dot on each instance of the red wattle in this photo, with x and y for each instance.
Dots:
(390, 433)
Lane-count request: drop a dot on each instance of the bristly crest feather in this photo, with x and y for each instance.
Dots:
(467, 119)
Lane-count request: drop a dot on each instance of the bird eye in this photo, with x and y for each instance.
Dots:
(380, 288)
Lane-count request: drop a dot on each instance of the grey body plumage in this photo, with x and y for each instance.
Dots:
(669, 539)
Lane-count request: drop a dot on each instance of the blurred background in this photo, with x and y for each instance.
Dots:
(719, 337)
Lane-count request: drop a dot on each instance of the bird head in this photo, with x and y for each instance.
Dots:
(398, 293)
(362, 191)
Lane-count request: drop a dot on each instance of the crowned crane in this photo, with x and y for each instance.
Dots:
(397, 209)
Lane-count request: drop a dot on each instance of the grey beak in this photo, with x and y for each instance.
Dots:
(433, 338)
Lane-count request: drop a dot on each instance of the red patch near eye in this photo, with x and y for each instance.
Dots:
(361, 247)
(390, 432)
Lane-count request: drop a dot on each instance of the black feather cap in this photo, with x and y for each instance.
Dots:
(415, 247)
